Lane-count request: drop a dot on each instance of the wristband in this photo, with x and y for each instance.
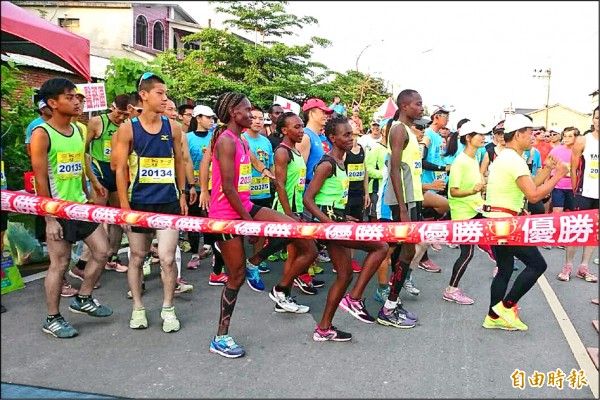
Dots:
(263, 170)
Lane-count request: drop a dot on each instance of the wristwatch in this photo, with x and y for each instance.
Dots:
(183, 191)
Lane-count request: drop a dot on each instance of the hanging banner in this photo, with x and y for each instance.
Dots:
(579, 228)
(95, 96)
(287, 105)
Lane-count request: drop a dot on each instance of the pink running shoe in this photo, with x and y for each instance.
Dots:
(429, 266)
(115, 266)
(194, 262)
(67, 290)
(565, 274)
(457, 296)
(584, 273)
(218, 280)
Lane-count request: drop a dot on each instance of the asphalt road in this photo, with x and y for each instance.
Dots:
(447, 355)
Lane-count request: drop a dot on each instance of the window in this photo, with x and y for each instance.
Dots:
(158, 36)
(191, 46)
(70, 24)
(141, 31)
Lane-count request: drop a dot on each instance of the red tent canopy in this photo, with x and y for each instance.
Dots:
(25, 33)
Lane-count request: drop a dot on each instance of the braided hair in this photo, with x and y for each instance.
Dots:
(332, 124)
(282, 121)
(224, 103)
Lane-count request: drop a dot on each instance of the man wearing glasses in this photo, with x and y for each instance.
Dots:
(541, 142)
(433, 166)
(185, 116)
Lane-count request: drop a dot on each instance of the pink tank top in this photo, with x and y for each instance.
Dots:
(219, 205)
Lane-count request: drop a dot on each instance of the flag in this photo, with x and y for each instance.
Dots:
(386, 110)
(286, 104)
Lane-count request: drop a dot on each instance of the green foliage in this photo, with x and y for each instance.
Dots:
(122, 75)
(17, 112)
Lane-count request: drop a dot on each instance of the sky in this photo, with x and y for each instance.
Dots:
(479, 57)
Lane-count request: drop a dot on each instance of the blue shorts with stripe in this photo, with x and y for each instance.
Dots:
(105, 175)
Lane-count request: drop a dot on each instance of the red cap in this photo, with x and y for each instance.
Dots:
(316, 103)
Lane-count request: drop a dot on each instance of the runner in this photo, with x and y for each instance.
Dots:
(275, 111)
(230, 199)
(260, 186)
(464, 195)
(150, 174)
(326, 198)
(45, 113)
(184, 115)
(358, 191)
(98, 145)
(372, 137)
(404, 195)
(509, 183)
(198, 138)
(57, 155)
(584, 181)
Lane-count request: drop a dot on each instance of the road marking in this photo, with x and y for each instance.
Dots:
(34, 277)
(573, 339)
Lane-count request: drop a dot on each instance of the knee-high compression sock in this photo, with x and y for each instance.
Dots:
(228, 299)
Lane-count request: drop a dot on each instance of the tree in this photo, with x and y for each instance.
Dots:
(122, 75)
(17, 113)
(269, 18)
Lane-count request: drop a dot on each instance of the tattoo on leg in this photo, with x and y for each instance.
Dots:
(228, 299)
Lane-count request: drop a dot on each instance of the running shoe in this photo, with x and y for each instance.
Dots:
(404, 311)
(453, 246)
(332, 334)
(217, 280)
(115, 265)
(584, 273)
(381, 295)
(206, 251)
(147, 265)
(305, 287)
(283, 255)
(170, 321)
(315, 269)
(596, 261)
(396, 318)
(565, 274)
(409, 286)
(436, 247)
(457, 296)
(263, 269)
(356, 267)
(356, 308)
(273, 258)
(546, 247)
(138, 319)
(183, 286)
(59, 328)
(129, 295)
(253, 279)
(487, 250)
(79, 274)
(194, 262)
(286, 303)
(225, 346)
(67, 290)
(429, 266)
(560, 247)
(91, 307)
(317, 283)
(323, 257)
(510, 315)
(498, 323)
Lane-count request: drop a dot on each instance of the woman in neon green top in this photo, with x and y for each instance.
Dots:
(464, 196)
(325, 199)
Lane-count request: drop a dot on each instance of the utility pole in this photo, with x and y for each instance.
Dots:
(539, 73)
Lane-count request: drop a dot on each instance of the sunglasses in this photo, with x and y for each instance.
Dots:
(137, 109)
(145, 75)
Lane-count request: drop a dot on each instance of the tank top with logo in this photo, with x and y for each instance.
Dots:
(294, 183)
(589, 174)
(334, 191)
(65, 164)
(152, 165)
(100, 147)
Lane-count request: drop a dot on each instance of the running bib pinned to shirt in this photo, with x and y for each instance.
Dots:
(345, 186)
(107, 148)
(3, 176)
(356, 172)
(593, 169)
(260, 185)
(440, 175)
(245, 178)
(69, 165)
(301, 181)
(157, 170)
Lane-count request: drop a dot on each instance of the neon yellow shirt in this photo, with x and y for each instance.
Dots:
(464, 175)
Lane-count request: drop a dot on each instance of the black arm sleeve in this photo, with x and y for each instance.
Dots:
(426, 164)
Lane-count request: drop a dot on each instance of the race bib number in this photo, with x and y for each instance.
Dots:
(345, 186)
(3, 176)
(69, 165)
(107, 148)
(356, 172)
(196, 178)
(245, 178)
(260, 185)
(418, 165)
(157, 170)
(593, 169)
(301, 181)
(440, 175)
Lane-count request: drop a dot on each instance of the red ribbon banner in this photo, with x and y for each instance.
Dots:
(578, 228)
